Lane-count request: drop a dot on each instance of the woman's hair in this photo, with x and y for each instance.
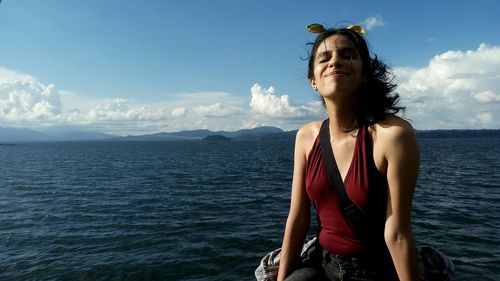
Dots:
(376, 98)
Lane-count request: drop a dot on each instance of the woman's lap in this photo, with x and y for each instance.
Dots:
(326, 266)
(305, 274)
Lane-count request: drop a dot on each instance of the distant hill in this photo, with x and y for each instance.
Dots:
(200, 134)
(80, 135)
(14, 135)
(8, 135)
(193, 134)
(265, 133)
(458, 133)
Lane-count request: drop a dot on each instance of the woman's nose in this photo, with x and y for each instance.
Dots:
(335, 60)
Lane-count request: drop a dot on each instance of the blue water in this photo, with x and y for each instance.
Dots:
(209, 211)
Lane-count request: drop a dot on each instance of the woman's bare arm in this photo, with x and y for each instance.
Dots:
(402, 158)
(297, 224)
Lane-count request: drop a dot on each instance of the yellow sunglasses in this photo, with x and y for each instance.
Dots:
(319, 28)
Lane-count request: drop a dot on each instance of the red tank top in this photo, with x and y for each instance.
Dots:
(366, 187)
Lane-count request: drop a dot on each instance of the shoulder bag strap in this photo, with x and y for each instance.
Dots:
(352, 213)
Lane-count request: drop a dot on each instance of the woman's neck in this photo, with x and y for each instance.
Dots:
(342, 117)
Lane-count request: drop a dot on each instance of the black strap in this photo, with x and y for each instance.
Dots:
(352, 213)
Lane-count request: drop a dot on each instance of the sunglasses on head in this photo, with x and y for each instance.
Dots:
(319, 28)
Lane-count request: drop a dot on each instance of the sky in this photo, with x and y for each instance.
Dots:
(137, 67)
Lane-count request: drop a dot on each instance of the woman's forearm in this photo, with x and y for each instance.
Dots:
(403, 252)
(293, 240)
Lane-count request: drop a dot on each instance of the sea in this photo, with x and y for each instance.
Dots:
(196, 210)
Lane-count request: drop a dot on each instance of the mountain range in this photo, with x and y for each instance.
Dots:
(15, 135)
(201, 134)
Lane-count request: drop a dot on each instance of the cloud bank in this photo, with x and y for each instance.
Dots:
(218, 110)
(27, 102)
(456, 90)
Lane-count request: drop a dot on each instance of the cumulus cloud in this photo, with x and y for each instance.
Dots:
(486, 97)
(179, 112)
(118, 109)
(25, 101)
(28, 100)
(457, 89)
(218, 110)
(8, 76)
(484, 118)
(373, 22)
(265, 102)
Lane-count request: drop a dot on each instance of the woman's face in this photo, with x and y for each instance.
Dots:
(338, 68)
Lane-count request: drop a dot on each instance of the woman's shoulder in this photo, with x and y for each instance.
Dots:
(393, 127)
(309, 130)
(392, 132)
(393, 138)
(306, 135)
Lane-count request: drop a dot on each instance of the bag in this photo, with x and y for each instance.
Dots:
(434, 265)
(269, 265)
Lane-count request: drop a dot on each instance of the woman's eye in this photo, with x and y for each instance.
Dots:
(346, 54)
(323, 59)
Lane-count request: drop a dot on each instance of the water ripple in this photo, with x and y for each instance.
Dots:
(197, 211)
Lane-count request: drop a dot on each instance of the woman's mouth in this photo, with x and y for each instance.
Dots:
(336, 73)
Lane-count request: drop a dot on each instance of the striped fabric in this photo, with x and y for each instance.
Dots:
(269, 265)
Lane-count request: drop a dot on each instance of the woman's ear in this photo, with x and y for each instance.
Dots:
(313, 84)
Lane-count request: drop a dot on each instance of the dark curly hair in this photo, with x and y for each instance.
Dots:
(376, 98)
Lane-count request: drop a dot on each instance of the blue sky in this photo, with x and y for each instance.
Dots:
(133, 67)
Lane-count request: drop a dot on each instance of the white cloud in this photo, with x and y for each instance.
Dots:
(118, 110)
(25, 101)
(73, 101)
(373, 22)
(218, 110)
(482, 119)
(8, 76)
(265, 102)
(458, 89)
(120, 117)
(486, 97)
(179, 112)
(22, 101)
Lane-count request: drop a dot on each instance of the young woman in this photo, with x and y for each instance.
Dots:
(377, 157)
